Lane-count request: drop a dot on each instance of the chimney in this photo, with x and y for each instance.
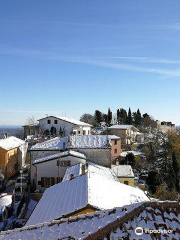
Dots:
(83, 169)
(117, 162)
(64, 146)
(71, 176)
(6, 135)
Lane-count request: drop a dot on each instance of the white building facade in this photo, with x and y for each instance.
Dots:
(63, 126)
(49, 170)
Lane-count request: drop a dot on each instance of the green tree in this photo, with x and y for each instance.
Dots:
(129, 120)
(87, 118)
(137, 119)
(109, 117)
(130, 159)
(118, 116)
(153, 180)
(98, 117)
(123, 116)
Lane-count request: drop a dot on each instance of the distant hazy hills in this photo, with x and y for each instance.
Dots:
(11, 130)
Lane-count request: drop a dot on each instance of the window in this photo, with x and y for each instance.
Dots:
(115, 142)
(79, 132)
(39, 183)
(48, 121)
(126, 182)
(47, 182)
(65, 163)
(59, 179)
(55, 121)
(115, 150)
(84, 132)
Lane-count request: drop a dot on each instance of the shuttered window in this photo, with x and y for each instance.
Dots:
(42, 182)
(52, 181)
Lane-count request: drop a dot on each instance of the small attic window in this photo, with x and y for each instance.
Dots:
(48, 121)
(55, 121)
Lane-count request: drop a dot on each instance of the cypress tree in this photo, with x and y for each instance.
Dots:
(123, 116)
(129, 117)
(118, 120)
(109, 117)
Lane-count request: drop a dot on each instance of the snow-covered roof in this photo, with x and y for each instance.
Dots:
(135, 153)
(70, 120)
(76, 170)
(95, 189)
(10, 143)
(123, 170)
(2, 208)
(90, 167)
(115, 223)
(89, 141)
(52, 144)
(113, 137)
(123, 127)
(60, 155)
(5, 200)
(73, 142)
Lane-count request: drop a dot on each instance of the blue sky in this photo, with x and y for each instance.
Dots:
(77, 56)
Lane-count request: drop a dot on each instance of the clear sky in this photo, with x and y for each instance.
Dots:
(76, 56)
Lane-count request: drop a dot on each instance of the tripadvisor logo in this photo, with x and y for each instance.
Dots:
(139, 231)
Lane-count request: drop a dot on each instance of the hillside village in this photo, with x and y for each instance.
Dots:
(99, 177)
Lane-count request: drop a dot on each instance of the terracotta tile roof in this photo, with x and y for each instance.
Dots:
(117, 223)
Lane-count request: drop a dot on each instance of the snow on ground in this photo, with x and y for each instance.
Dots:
(122, 127)
(135, 153)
